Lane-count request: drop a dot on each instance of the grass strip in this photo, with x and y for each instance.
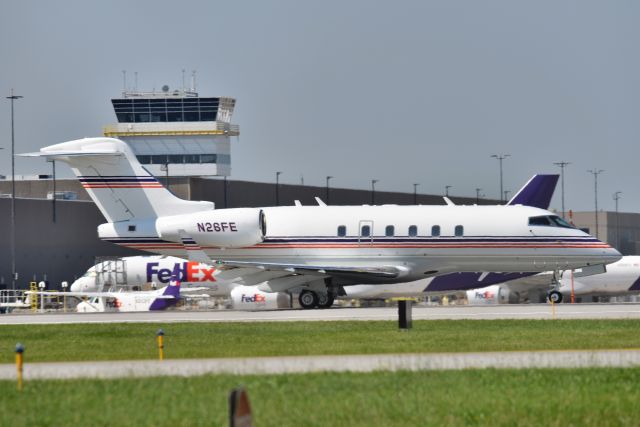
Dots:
(532, 397)
(204, 340)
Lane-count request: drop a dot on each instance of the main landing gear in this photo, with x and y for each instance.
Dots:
(310, 299)
(554, 295)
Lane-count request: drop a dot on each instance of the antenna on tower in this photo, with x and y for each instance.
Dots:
(135, 81)
(124, 81)
(184, 86)
(193, 81)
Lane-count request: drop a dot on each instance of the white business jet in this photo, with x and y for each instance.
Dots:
(321, 248)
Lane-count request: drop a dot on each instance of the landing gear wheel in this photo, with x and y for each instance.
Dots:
(308, 299)
(555, 297)
(325, 300)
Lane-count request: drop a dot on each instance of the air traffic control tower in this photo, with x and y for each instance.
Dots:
(176, 132)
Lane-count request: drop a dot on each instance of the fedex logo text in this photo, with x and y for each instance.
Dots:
(257, 298)
(184, 272)
(485, 295)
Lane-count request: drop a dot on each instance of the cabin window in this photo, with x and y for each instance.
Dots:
(389, 231)
(342, 231)
(459, 231)
(413, 231)
(435, 231)
(132, 228)
(365, 231)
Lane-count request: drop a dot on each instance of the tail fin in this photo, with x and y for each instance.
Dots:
(537, 192)
(120, 187)
(171, 295)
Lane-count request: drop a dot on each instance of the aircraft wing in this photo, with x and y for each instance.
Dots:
(351, 273)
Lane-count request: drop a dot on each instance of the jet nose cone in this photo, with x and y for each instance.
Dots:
(611, 254)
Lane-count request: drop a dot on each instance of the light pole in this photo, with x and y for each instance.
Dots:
(595, 173)
(64, 286)
(478, 190)
(53, 201)
(14, 274)
(500, 158)
(616, 197)
(415, 193)
(562, 165)
(327, 195)
(226, 199)
(506, 195)
(278, 188)
(42, 285)
(446, 190)
(373, 191)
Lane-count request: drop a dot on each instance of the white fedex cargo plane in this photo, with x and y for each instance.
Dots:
(141, 271)
(322, 248)
(621, 278)
(94, 302)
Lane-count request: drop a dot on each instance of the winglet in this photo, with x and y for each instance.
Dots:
(320, 202)
(537, 192)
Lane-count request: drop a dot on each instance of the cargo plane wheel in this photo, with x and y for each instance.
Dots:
(308, 299)
(555, 297)
(325, 300)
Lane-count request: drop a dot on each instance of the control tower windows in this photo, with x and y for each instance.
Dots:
(161, 159)
(166, 110)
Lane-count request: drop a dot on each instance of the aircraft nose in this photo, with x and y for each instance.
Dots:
(611, 254)
(80, 285)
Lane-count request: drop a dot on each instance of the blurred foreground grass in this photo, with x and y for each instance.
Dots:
(585, 397)
(122, 341)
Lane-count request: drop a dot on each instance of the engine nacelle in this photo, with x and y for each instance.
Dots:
(250, 298)
(224, 228)
(494, 294)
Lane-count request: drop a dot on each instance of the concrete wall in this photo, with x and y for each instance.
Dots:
(52, 251)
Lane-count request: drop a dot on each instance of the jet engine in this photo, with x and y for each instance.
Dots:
(494, 294)
(250, 298)
(224, 228)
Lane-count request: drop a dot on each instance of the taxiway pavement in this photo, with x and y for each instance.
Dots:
(528, 311)
(327, 363)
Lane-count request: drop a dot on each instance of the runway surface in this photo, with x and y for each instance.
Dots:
(305, 364)
(528, 311)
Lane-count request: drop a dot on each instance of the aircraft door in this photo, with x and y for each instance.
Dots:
(365, 232)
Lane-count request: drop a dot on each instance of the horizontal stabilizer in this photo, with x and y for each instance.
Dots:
(118, 184)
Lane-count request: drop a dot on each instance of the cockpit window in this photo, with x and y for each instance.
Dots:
(561, 222)
(539, 220)
(549, 221)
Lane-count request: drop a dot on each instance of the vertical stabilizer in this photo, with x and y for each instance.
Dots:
(537, 192)
(120, 187)
(171, 295)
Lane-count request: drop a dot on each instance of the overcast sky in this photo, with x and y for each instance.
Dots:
(399, 91)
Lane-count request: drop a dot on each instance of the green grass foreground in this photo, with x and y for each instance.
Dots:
(125, 341)
(552, 397)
